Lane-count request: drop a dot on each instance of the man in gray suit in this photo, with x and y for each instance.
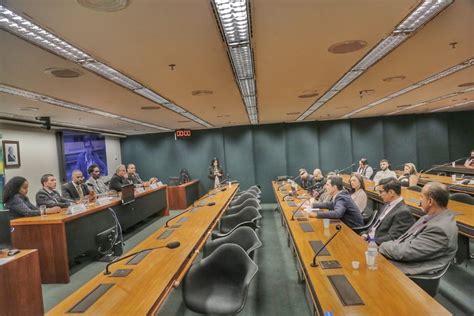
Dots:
(431, 243)
(395, 218)
(48, 195)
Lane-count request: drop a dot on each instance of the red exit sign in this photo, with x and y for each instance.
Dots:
(182, 133)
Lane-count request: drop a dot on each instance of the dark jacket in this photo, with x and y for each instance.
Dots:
(135, 178)
(305, 184)
(20, 206)
(395, 224)
(52, 199)
(70, 192)
(116, 182)
(211, 173)
(343, 207)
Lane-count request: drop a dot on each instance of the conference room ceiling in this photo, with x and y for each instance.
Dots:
(292, 63)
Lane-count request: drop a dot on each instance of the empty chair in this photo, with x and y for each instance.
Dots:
(462, 197)
(255, 193)
(219, 283)
(430, 281)
(240, 199)
(367, 223)
(247, 214)
(415, 188)
(257, 188)
(243, 236)
(237, 208)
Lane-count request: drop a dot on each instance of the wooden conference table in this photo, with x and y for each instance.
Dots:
(464, 216)
(60, 238)
(454, 186)
(385, 291)
(459, 169)
(143, 291)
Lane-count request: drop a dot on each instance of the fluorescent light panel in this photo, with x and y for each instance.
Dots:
(425, 12)
(37, 35)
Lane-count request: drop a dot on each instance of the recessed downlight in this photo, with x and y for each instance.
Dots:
(394, 78)
(104, 5)
(347, 46)
(184, 121)
(403, 106)
(466, 84)
(150, 107)
(64, 73)
(308, 94)
(198, 93)
(293, 113)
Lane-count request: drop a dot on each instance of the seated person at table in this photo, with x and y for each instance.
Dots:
(431, 243)
(134, 177)
(470, 161)
(409, 178)
(342, 206)
(306, 179)
(17, 202)
(119, 179)
(318, 175)
(395, 217)
(95, 183)
(320, 194)
(76, 189)
(364, 169)
(384, 172)
(357, 190)
(48, 195)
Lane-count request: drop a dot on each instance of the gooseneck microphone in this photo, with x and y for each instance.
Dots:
(172, 218)
(299, 207)
(170, 245)
(314, 263)
(443, 165)
(346, 168)
(289, 181)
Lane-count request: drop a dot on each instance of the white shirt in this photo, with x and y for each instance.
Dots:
(383, 175)
(386, 210)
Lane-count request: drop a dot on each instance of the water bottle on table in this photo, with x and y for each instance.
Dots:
(371, 254)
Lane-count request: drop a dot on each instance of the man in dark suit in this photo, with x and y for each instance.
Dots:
(307, 180)
(48, 195)
(76, 189)
(395, 218)
(119, 179)
(431, 243)
(341, 206)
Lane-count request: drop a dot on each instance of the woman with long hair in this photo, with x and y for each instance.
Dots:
(357, 189)
(215, 172)
(409, 177)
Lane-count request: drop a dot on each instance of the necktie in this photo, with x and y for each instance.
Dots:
(79, 190)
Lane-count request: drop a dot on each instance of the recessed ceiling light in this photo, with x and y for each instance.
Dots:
(150, 107)
(403, 106)
(466, 84)
(64, 73)
(347, 46)
(394, 78)
(104, 5)
(30, 108)
(198, 93)
(293, 113)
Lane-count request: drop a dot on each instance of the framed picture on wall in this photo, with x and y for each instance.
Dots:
(11, 154)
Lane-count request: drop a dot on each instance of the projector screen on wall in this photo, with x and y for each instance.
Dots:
(80, 150)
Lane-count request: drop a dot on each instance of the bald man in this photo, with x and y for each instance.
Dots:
(119, 179)
(76, 189)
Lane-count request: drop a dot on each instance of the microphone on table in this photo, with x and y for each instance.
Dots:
(170, 245)
(299, 207)
(346, 168)
(288, 180)
(189, 209)
(314, 263)
(443, 165)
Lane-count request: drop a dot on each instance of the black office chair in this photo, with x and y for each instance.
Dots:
(462, 197)
(5, 229)
(237, 208)
(243, 236)
(367, 223)
(248, 216)
(429, 282)
(254, 192)
(415, 188)
(240, 199)
(219, 283)
(368, 211)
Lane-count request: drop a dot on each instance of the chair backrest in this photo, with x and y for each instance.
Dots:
(415, 188)
(5, 238)
(246, 215)
(462, 197)
(429, 282)
(237, 208)
(242, 198)
(256, 188)
(243, 236)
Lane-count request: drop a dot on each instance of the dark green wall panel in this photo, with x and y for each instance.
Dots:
(399, 135)
(302, 147)
(270, 156)
(431, 136)
(238, 146)
(335, 145)
(257, 154)
(367, 140)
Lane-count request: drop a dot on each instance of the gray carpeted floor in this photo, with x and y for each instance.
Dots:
(274, 290)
